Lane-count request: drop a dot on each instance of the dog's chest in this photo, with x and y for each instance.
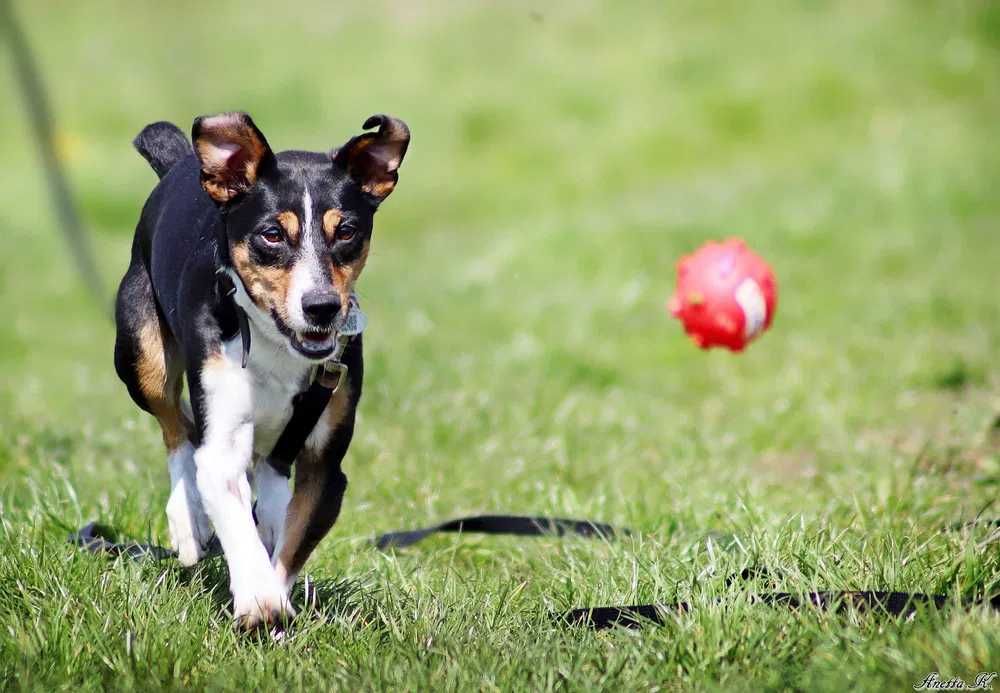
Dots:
(273, 384)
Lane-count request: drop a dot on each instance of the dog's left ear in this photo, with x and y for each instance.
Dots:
(373, 159)
(232, 152)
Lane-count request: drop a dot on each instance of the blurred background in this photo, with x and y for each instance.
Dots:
(563, 157)
(519, 358)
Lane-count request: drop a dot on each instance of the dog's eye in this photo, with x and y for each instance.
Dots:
(345, 233)
(271, 236)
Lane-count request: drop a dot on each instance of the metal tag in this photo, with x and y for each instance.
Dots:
(331, 376)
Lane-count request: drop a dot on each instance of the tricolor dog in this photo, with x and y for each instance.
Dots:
(242, 283)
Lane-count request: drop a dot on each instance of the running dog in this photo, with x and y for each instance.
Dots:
(288, 234)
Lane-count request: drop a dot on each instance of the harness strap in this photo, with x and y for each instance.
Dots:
(234, 318)
(307, 407)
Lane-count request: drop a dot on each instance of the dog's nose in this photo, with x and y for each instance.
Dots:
(320, 307)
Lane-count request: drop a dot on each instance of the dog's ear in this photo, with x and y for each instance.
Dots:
(232, 152)
(373, 159)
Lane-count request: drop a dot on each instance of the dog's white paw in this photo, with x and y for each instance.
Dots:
(190, 529)
(263, 604)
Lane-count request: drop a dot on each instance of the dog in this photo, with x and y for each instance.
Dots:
(290, 234)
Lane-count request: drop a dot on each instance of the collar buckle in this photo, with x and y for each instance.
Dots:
(331, 375)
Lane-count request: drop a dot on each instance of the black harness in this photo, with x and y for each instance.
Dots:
(308, 405)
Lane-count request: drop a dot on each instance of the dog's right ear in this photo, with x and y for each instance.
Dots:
(232, 152)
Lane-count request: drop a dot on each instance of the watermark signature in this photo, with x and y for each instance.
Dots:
(933, 682)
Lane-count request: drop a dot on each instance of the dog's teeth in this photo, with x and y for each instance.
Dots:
(314, 334)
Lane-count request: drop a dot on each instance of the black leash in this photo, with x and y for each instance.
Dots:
(517, 525)
(871, 601)
(98, 539)
(839, 601)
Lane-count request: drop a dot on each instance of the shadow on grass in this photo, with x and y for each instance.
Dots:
(316, 601)
(323, 600)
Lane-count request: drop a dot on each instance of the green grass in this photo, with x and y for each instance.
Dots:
(519, 356)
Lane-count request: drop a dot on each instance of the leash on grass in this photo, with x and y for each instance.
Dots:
(42, 126)
(99, 539)
(516, 525)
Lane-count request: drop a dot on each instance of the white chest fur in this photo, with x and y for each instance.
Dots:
(275, 376)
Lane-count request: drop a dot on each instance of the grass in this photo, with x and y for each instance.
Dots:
(519, 357)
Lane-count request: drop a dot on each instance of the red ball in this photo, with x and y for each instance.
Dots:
(725, 295)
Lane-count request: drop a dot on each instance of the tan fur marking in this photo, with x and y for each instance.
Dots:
(289, 221)
(214, 361)
(267, 286)
(331, 220)
(151, 366)
(344, 276)
(162, 395)
(217, 191)
(173, 426)
(337, 409)
(379, 189)
(309, 477)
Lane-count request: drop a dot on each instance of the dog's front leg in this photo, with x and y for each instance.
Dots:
(226, 407)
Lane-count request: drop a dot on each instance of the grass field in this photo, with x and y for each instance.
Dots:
(519, 358)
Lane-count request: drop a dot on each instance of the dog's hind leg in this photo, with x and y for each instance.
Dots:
(271, 509)
(149, 363)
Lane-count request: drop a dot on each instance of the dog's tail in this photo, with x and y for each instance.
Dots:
(162, 144)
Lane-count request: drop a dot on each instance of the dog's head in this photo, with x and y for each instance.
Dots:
(298, 224)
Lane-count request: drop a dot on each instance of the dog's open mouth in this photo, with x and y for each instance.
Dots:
(318, 343)
(314, 342)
